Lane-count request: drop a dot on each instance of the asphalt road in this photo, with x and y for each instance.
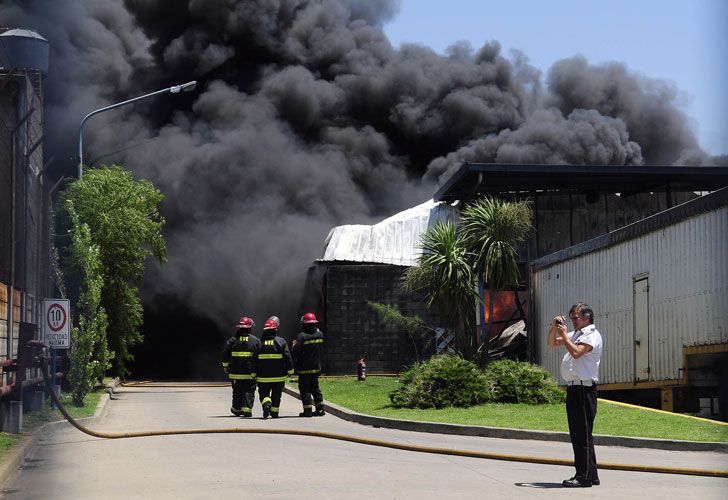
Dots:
(68, 464)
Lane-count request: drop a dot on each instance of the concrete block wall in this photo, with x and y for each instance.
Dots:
(354, 329)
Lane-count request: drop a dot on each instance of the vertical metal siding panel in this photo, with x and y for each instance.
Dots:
(688, 272)
(720, 312)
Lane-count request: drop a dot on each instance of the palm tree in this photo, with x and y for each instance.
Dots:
(447, 278)
(491, 227)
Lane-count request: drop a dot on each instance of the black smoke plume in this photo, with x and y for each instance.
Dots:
(306, 117)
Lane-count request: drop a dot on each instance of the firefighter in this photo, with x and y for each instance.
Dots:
(308, 347)
(237, 361)
(273, 365)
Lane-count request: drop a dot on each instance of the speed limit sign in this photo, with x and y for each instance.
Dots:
(56, 323)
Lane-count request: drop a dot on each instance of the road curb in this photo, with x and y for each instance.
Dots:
(13, 459)
(505, 433)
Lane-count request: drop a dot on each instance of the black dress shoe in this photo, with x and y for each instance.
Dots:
(576, 482)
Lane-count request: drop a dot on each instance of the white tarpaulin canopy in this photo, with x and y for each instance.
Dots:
(395, 240)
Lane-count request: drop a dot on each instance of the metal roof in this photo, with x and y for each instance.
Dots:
(22, 32)
(472, 179)
(395, 240)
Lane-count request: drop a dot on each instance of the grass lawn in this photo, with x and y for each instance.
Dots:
(35, 419)
(372, 398)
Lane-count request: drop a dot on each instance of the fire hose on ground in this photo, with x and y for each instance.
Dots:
(42, 361)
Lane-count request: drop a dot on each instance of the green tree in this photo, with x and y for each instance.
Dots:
(89, 351)
(124, 221)
(491, 228)
(446, 277)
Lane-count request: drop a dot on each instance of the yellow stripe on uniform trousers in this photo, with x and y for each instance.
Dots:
(314, 341)
(270, 356)
(241, 354)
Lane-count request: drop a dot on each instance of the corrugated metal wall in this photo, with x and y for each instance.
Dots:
(687, 268)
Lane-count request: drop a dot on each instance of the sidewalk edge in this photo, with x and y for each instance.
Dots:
(13, 459)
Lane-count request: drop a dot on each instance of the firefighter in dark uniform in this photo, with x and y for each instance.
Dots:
(237, 361)
(273, 366)
(308, 348)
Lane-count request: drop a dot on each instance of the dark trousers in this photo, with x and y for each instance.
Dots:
(308, 386)
(581, 408)
(272, 390)
(243, 395)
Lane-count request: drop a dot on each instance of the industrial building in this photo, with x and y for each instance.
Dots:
(363, 263)
(24, 201)
(659, 290)
(576, 209)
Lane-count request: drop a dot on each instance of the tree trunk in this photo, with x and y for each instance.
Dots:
(488, 329)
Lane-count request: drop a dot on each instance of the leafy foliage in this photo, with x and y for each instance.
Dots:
(447, 380)
(89, 354)
(415, 328)
(491, 227)
(124, 222)
(440, 382)
(446, 276)
(521, 382)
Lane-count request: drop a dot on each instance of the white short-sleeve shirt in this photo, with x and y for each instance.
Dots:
(587, 366)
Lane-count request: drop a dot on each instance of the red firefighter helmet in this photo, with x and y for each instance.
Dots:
(245, 322)
(270, 324)
(309, 318)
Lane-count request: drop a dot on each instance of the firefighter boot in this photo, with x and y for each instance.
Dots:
(306, 412)
(319, 411)
(266, 407)
(247, 412)
(235, 411)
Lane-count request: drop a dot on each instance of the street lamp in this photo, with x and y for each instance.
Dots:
(185, 87)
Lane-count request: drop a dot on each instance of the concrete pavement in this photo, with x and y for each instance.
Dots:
(68, 464)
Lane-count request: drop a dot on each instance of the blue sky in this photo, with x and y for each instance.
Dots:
(683, 41)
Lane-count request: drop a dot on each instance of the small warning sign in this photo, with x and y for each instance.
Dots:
(56, 327)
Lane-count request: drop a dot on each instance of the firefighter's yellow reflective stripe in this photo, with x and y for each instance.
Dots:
(225, 364)
(247, 410)
(253, 374)
(307, 407)
(275, 408)
(272, 379)
(242, 354)
(270, 356)
(307, 372)
(266, 400)
(244, 339)
(314, 341)
(237, 376)
(268, 342)
(290, 372)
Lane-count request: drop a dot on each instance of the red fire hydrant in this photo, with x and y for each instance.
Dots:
(361, 370)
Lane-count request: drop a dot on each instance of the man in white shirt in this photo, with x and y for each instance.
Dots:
(580, 370)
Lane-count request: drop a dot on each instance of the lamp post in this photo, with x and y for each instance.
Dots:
(185, 87)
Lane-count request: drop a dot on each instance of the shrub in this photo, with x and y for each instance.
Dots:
(439, 382)
(511, 381)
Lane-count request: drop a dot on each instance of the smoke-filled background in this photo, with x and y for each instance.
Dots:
(304, 118)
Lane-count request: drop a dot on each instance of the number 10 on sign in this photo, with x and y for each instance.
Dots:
(56, 323)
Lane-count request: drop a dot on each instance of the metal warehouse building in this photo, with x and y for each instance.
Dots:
(659, 290)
